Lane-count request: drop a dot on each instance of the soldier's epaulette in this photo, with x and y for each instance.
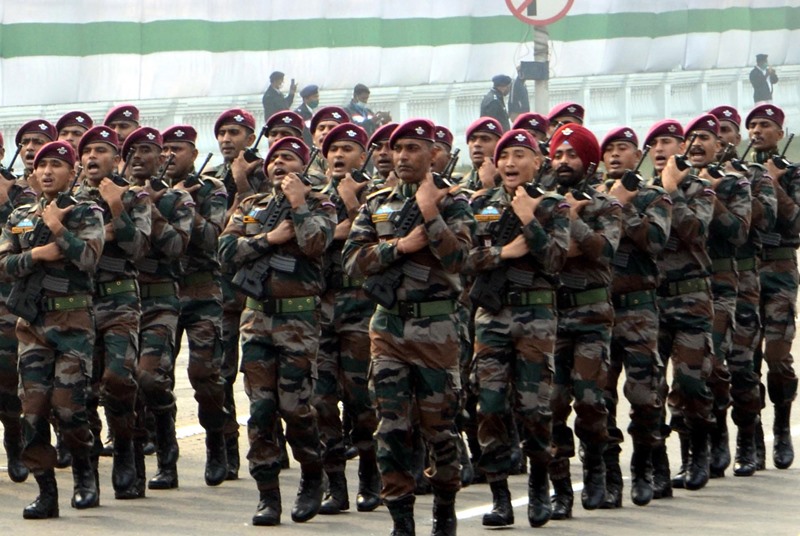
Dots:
(382, 191)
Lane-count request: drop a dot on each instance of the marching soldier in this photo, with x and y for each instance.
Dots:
(536, 124)
(382, 158)
(284, 124)
(482, 137)
(72, 125)
(32, 136)
(325, 120)
(563, 113)
(123, 120)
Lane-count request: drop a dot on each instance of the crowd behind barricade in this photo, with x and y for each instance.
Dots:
(457, 320)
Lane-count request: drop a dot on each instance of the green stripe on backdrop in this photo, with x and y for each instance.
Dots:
(55, 39)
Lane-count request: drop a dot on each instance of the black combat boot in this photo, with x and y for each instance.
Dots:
(502, 514)
(336, 499)
(149, 445)
(782, 450)
(46, 504)
(123, 469)
(679, 480)
(12, 441)
(594, 477)
(141, 471)
(613, 497)
(84, 494)
(232, 456)
(166, 453)
(444, 513)
(539, 507)
(761, 448)
(641, 474)
(745, 464)
(720, 448)
(562, 498)
(402, 512)
(309, 495)
(216, 459)
(268, 512)
(662, 483)
(369, 482)
(63, 455)
(697, 473)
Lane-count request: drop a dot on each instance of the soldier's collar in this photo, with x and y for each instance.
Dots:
(407, 190)
(760, 157)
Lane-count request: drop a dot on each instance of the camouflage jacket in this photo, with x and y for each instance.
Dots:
(730, 224)
(172, 219)
(19, 194)
(764, 212)
(787, 193)
(211, 204)
(257, 181)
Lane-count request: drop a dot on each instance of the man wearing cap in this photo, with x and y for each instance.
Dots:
(685, 309)
(30, 138)
(778, 272)
(646, 221)
(762, 78)
(55, 347)
(482, 136)
(172, 217)
(72, 125)
(200, 295)
(273, 99)
(493, 104)
(284, 124)
(123, 119)
(361, 115)
(565, 112)
(310, 96)
(417, 335)
(382, 158)
(117, 307)
(323, 122)
(280, 324)
(536, 124)
(513, 344)
(585, 318)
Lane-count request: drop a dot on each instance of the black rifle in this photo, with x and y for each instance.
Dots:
(740, 164)
(250, 277)
(717, 169)
(360, 175)
(443, 180)
(251, 154)
(631, 179)
(682, 161)
(382, 288)
(8, 172)
(583, 192)
(195, 179)
(158, 183)
(544, 145)
(26, 293)
(119, 178)
(780, 161)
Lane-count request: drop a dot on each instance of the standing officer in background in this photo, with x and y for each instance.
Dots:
(363, 116)
(762, 78)
(310, 96)
(493, 104)
(55, 347)
(273, 100)
(415, 339)
(518, 101)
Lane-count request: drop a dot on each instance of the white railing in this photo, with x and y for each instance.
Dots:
(636, 100)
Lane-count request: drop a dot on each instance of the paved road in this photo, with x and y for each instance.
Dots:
(764, 504)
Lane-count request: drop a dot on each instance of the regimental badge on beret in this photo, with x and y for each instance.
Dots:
(519, 137)
(419, 130)
(79, 119)
(336, 115)
(628, 134)
(238, 118)
(351, 133)
(62, 151)
(440, 134)
(104, 133)
(151, 136)
(490, 126)
(42, 126)
(287, 119)
(727, 113)
(295, 146)
(571, 109)
(567, 131)
(711, 122)
(534, 122)
(672, 128)
(769, 111)
(127, 113)
(179, 133)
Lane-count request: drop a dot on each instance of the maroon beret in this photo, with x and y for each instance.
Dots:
(123, 112)
(235, 116)
(2, 141)
(443, 135)
(727, 113)
(39, 126)
(579, 138)
(75, 118)
(532, 121)
(570, 109)
(286, 118)
(99, 134)
(665, 127)
(329, 113)
(56, 149)
(489, 125)
(142, 135)
(344, 132)
(289, 143)
(420, 129)
(766, 111)
(620, 134)
(517, 137)
(706, 122)
(383, 133)
(185, 133)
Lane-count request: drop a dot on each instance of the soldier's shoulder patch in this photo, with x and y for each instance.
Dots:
(23, 226)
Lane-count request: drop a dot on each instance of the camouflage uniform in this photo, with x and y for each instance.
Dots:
(514, 347)
(55, 351)
(280, 331)
(415, 344)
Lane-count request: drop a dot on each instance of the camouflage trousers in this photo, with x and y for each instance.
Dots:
(116, 351)
(745, 384)
(634, 347)
(10, 406)
(232, 306)
(514, 364)
(581, 368)
(722, 329)
(342, 366)
(778, 310)
(55, 366)
(684, 338)
(278, 353)
(155, 369)
(201, 319)
(415, 368)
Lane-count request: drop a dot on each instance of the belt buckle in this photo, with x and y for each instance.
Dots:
(514, 298)
(270, 307)
(407, 309)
